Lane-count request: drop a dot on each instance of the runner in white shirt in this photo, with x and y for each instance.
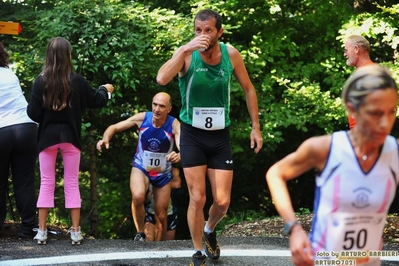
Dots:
(358, 173)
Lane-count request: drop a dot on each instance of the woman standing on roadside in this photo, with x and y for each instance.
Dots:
(59, 96)
(18, 148)
(358, 173)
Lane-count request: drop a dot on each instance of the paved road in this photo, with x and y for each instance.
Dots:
(235, 251)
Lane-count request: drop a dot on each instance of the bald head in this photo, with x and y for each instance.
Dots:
(164, 97)
(161, 106)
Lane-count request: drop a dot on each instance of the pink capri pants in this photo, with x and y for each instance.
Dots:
(47, 159)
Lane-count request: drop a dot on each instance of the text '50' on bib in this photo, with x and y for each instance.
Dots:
(208, 118)
(154, 161)
(355, 231)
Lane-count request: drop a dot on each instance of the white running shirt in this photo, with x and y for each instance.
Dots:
(351, 205)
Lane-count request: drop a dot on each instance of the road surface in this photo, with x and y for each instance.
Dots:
(241, 251)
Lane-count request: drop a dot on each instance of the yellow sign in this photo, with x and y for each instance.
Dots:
(10, 28)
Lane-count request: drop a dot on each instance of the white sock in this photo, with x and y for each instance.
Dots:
(206, 228)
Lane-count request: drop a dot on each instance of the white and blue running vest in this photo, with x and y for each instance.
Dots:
(351, 205)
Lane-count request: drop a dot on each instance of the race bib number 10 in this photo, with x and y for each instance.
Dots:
(154, 161)
(208, 118)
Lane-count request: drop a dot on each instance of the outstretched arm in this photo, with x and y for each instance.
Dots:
(135, 120)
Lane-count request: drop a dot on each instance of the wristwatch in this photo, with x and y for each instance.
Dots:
(288, 226)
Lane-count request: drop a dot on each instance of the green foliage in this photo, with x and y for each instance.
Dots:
(115, 221)
(381, 31)
(302, 211)
(293, 51)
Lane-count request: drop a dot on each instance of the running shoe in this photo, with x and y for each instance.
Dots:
(212, 249)
(76, 237)
(198, 259)
(41, 237)
(140, 237)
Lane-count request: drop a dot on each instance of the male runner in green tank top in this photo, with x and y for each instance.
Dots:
(205, 66)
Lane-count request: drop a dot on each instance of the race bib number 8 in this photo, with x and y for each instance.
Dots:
(354, 231)
(208, 118)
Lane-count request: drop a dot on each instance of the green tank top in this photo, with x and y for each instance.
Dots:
(206, 87)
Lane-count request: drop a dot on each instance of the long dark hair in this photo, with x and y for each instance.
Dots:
(56, 74)
(4, 57)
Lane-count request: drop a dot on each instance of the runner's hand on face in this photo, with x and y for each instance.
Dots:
(199, 42)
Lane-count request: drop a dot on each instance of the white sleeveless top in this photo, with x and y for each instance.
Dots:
(351, 205)
(12, 100)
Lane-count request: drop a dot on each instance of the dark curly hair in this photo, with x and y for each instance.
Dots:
(4, 56)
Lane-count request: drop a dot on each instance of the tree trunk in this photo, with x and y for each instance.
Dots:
(93, 192)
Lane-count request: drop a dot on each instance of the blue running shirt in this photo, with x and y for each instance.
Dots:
(153, 146)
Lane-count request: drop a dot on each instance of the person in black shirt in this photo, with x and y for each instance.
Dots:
(59, 96)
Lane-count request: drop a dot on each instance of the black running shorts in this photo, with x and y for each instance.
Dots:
(202, 147)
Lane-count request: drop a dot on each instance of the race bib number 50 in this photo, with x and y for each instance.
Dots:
(354, 231)
(208, 118)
